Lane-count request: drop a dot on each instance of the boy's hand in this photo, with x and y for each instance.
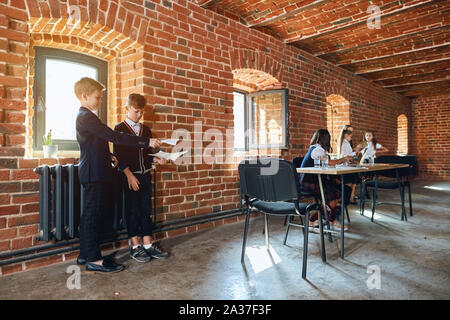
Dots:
(133, 182)
(155, 143)
(160, 160)
(115, 161)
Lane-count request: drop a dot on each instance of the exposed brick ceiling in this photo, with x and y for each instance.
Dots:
(409, 53)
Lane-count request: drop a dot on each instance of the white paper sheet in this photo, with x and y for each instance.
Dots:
(172, 142)
(169, 156)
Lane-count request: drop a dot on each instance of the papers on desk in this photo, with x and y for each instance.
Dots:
(349, 167)
(172, 142)
(169, 156)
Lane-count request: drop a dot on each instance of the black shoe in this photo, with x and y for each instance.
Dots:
(106, 267)
(139, 254)
(81, 261)
(154, 252)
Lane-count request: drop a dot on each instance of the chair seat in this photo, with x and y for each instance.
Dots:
(279, 207)
(306, 194)
(383, 184)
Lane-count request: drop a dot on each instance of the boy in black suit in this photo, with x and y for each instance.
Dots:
(135, 163)
(95, 170)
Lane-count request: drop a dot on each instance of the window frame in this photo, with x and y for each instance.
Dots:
(39, 89)
(249, 124)
(246, 120)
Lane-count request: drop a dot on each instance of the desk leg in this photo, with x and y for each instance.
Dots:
(342, 215)
(322, 242)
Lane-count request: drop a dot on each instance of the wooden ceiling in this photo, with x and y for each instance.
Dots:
(409, 53)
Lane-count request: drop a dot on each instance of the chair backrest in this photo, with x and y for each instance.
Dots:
(403, 172)
(268, 179)
(297, 162)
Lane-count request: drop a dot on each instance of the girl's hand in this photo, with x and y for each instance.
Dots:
(133, 182)
(349, 159)
(358, 148)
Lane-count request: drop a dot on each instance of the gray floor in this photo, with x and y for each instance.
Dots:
(413, 258)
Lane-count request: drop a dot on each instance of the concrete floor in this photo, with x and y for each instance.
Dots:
(413, 257)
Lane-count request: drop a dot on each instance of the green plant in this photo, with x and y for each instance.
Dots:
(48, 138)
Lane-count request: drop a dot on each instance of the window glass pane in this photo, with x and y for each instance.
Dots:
(267, 119)
(239, 120)
(61, 103)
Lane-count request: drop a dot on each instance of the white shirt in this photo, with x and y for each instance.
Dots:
(371, 150)
(136, 126)
(318, 152)
(346, 149)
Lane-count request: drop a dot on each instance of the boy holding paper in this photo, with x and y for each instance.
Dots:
(136, 163)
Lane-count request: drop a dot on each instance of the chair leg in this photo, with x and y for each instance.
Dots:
(402, 197)
(410, 200)
(363, 203)
(244, 244)
(301, 222)
(374, 202)
(287, 228)
(305, 246)
(348, 216)
(266, 231)
(362, 197)
(285, 220)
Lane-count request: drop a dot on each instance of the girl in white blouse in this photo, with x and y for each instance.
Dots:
(372, 146)
(346, 150)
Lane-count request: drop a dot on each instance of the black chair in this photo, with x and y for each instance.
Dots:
(398, 179)
(297, 162)
(269, 185)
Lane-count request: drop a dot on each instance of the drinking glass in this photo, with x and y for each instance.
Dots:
(316, 163)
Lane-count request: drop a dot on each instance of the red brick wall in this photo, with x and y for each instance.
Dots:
(185, 71)
(431, 136)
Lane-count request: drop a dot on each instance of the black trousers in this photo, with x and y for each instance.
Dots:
(95, 205)
(138, 206)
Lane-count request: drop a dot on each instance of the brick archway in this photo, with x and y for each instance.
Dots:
(244, 58)
(338, 115)
(336, 87)
(97, 28)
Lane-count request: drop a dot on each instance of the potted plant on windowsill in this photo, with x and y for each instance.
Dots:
(50, 149)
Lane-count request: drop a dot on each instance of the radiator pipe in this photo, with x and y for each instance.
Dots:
(170, 225)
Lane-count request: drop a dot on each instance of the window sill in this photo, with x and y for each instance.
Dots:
(61, 154)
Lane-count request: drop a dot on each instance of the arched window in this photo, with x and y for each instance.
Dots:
(402, 135)
(338, 115)
(260, 111)
(56, 71)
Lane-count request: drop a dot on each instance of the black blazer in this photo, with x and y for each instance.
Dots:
(136, 159)
(93, 137)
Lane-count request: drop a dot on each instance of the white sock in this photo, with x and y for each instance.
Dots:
(134, 247)
(147, 246)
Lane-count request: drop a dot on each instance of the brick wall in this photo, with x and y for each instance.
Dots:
(431, 136)
(182, 58)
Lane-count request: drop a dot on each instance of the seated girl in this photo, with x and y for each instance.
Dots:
(319, 146)
(372, 147)
(346, 150)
